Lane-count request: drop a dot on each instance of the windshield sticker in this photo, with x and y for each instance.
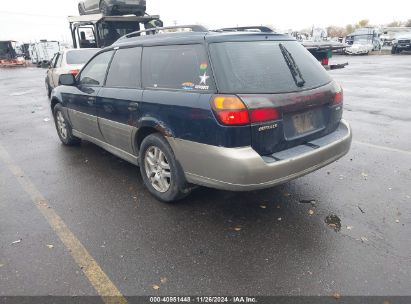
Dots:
(203, 67)
(204, 78)
(202, 87)
(188, 85)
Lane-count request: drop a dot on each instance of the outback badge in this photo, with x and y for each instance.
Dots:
(265, 128)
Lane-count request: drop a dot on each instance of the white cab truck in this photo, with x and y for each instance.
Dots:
(42, 52)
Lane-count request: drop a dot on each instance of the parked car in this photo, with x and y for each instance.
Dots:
(235, 111)
(401, 43)
(67, 61)
(360, 47)
(112, 7)
(42, 52)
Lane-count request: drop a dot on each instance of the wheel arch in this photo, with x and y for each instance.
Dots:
(54, 101)
(148, 126)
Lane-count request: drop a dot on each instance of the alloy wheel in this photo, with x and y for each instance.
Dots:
(157, 169)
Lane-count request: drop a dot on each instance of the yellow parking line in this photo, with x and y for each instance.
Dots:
(100, 281)
(383, 148)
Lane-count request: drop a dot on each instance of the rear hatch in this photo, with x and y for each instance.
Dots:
(284, 76)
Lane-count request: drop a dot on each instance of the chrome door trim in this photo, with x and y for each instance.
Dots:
(118, 134)
(116, 151)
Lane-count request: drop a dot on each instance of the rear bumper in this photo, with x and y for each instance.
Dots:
(243, 169)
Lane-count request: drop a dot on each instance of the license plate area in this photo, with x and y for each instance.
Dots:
(300, 124)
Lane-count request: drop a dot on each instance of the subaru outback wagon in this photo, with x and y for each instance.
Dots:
(235, 111)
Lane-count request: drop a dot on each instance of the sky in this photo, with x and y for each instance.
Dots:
(31, 20)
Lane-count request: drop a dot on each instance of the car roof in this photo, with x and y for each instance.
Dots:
(79, 50)
(197, 37)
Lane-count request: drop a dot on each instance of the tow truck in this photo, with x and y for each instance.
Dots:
(99, 31)
(9, 55)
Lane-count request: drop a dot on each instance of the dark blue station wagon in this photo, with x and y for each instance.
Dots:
(236, 111)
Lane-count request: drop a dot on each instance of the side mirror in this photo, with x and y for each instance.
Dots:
(67, 79)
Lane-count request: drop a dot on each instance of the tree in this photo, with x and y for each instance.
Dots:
(336, 31)
(408, 23)
(363, 23)
(395, 24)
(349, 29)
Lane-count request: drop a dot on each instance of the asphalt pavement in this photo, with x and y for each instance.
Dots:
(344, 229)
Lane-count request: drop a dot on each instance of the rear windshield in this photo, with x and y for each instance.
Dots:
(80, 56)
(261, 67)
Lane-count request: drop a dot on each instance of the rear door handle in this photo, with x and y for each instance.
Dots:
(133, 106)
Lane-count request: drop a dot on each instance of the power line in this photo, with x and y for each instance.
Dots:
(31, 15)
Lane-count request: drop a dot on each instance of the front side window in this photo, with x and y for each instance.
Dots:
(181, 67)
(95, 72)
(54, 60)
(124, 70)
(59, 60)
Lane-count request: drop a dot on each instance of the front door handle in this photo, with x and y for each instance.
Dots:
(91, 100)
(133, 106)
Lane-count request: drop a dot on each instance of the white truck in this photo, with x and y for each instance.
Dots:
(42, 52)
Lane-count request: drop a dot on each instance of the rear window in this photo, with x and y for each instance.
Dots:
(80, 57)
(261, 67)
(182, 67)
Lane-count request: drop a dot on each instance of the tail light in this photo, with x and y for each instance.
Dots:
(260, 115)
(74, 72)
(338, 98)
(230, 110)
(324, 61)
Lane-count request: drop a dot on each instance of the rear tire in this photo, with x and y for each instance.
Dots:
(48, 89)
(64, 130)
(161, 173)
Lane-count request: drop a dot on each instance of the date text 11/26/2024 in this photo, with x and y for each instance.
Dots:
(203, 300)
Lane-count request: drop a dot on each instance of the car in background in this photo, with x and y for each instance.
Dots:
(401, 43)
(360, 47)
(68, 61)
(112, 7)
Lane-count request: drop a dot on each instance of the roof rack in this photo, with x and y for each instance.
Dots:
(156, 30)
(262, 29)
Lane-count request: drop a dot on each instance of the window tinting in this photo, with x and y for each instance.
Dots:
(53, 61)
(260, 67)
(79, 56)
(125, 69)
(183, 67)
(95, 72)
(59, 60)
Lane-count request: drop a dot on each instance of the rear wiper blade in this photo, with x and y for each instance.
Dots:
(295, 71)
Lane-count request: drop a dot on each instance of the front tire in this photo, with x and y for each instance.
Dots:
(160, 171)
(48, 89)
(64, 130)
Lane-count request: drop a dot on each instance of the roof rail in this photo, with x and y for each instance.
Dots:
(262, 29)
(156, 30)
